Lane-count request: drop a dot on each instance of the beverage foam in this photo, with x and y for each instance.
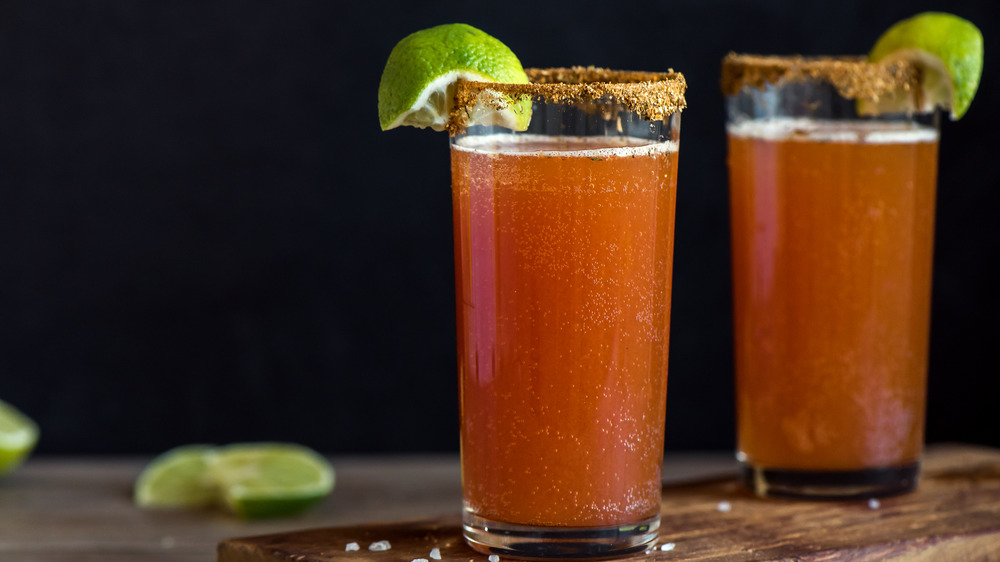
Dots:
(542, 145)
(866, 132)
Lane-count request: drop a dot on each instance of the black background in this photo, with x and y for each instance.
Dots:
(205, 237)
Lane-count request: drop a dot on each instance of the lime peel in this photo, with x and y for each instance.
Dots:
(949, 52)
(418, 83)
(18, 437)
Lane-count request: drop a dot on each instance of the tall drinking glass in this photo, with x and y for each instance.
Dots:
(832, 219)
(563, 251)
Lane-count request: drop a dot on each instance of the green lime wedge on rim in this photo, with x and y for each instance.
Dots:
(949, 52)
(252, 480)
(18, 436)
(417, 88)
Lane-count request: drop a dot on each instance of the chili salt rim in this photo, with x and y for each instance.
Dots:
(854, 77)
(653, 95)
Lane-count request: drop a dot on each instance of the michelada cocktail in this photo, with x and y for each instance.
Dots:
(833, 173)
(563, 189)
(563, 252)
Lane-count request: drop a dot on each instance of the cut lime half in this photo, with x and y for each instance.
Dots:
(18, 436)
(177, 478)
(949, 52)
(417, 87)
(270, 479)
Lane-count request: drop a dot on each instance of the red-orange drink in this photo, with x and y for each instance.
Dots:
(832, 232)
(563, 252)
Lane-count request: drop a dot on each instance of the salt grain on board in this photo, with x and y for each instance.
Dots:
(352, 546)
(436, 553)
(667, 547)
(873, 504)
(379, 546)
(494, 558)
(724, 506)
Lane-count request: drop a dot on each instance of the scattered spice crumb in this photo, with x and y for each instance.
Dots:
(436, 553)
(352, 546)
(873, 503)
(379, 546)
(724, 507)
(666, 547)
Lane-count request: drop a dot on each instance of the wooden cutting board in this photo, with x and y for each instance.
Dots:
(953, 515)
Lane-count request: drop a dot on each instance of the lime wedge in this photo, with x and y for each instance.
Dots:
(18, 436)
(948, 50)
(271, 479)
(253, 480)
(177, 478)
(417, 88)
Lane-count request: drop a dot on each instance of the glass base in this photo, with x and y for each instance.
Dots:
(830, 484)
(539, 543)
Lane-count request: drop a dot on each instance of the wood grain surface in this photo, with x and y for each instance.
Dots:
(953, 515)
(79, 509)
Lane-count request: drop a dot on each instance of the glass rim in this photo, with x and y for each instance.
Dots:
(653, 95)
(854, 76)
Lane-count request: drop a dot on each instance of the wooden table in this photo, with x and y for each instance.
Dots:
(78, 509)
